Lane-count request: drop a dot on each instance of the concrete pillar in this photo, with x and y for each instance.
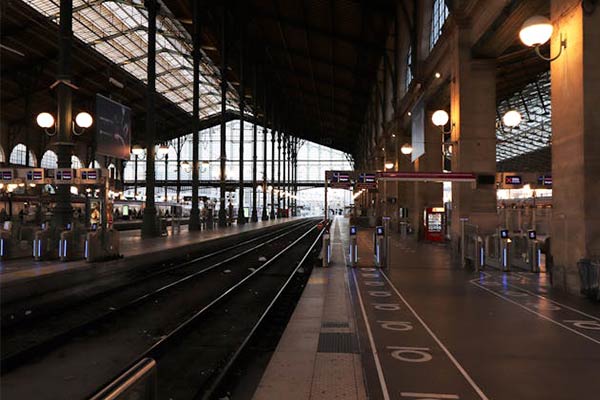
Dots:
(427, 194)
(473, 118)
(575, 140)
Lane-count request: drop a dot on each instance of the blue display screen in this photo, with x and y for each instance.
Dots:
(504, 233)
(379, 230)
(353, 230)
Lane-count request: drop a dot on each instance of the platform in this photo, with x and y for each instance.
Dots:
(135, 250)
(427, 329)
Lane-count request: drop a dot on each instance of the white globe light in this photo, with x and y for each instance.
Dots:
(137, 150)
(389, 165)
(45, 120)
(163, 150)
(84, 120)
(511, 119)
(406, 149)
(536, 31)
(440, 118)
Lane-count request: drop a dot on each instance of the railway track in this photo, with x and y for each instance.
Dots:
(146, 322)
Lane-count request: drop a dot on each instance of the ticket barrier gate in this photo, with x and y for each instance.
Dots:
(71, 245)
(380, 246)
(5, 239)
(353, 247)
(101, 245)
(526, 252)
(505, 250)
(42, 243)
(472, 247)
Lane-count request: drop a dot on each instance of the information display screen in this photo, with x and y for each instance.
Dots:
(366, 180)
(532, 234)
(7, 175)
(379, 230)
(504, 233)
(35, 175)
(64, 175)
(340, 180)
(545, 180)
(89, 175)
(353, 230)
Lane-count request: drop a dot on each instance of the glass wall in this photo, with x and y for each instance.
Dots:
(313, 160)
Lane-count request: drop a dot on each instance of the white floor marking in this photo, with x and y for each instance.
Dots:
(536, 313)
(464, 373)
(384, 389)
(476, 280)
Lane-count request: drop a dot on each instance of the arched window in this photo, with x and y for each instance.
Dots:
(76, 162)
(2, 155)
(18, 156)
(438, 18)
(49, 160)
(94, 164)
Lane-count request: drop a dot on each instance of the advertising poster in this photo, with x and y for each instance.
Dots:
(113, 128)
(418, 130)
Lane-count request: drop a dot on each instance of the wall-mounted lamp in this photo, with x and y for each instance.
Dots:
(440, 118)
(83, 120)
(511, 119)
(536, 31)
(406, 149)
(389, 165)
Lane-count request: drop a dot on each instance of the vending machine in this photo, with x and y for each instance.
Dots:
(435, 224)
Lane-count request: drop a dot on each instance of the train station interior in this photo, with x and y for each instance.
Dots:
(299, 199)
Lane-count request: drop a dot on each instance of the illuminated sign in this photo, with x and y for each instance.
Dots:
(379, 230)
(353, 230)
(532, 234)
(513, 180)
(504, 233)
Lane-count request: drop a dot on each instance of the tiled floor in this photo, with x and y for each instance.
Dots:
(317, 356)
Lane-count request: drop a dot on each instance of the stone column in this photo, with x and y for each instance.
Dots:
(427, 194)
(473, 119)
(575, 140)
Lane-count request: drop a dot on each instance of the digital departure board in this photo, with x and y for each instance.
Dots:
(64, 175)
(7, 175)
(366, 180)
(35, 175)
(340, 179)
(545, 180)
(513, 180)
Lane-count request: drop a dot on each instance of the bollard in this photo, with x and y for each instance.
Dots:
(353, 247)
(534, 251)
(326, 250)
(505, 255)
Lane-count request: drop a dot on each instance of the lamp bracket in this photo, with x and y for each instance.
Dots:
(563, 45)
